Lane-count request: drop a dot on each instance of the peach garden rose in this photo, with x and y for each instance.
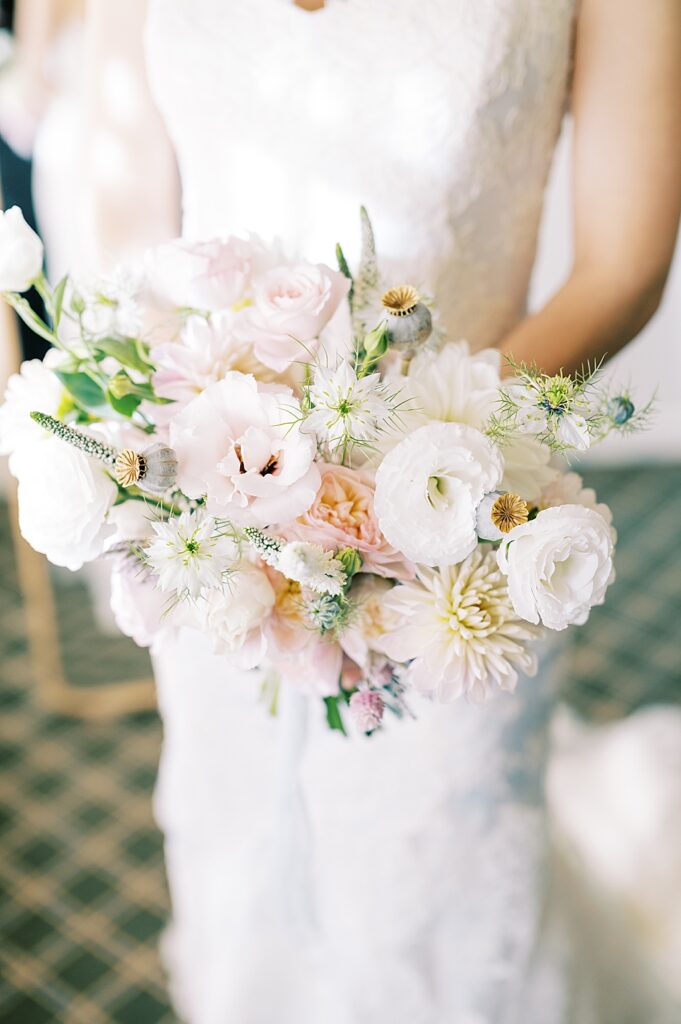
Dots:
(342, 515)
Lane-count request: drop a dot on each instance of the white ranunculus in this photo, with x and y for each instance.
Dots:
(21, 252)
(64, 500)
(558, 565)
(234, 616)
(34, 388)
(240, 446)
(428, 488)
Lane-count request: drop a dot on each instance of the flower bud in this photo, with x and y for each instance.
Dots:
(21, 252)
(367, 707)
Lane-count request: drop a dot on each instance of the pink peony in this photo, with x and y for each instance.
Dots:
(342, 515)
(291, 306)
(236, 445)
(210, 275)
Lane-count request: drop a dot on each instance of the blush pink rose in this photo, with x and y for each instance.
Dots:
(342, 515)
(210, 275)
(291, 306)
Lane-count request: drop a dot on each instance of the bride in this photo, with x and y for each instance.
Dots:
(401, 879)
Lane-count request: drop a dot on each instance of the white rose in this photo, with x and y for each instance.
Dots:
(292, 305)
(558, 565)
(428, 488)
(64, 500)
(35, 387)
(235, 615)
(21, 252)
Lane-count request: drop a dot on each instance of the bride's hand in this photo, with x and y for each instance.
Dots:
(626, 184)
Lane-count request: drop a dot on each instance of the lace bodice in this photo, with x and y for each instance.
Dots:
(439, 116)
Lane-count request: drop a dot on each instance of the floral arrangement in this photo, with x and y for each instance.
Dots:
(295, 460)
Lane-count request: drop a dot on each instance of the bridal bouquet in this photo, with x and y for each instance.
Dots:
(296, 461)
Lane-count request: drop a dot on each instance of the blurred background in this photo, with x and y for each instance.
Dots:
(82, 893)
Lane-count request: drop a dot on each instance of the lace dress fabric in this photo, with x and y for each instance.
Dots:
(401, 878)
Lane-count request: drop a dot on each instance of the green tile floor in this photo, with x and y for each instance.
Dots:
(82, 892)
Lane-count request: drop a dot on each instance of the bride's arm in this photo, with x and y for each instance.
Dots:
(626, 184)
(129, 190)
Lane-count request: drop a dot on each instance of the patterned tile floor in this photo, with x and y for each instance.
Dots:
(82, 894)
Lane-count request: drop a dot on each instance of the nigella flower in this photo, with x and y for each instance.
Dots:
(347, 409)
(459, 630)
(553, 406)
(312, 567)
(190, 553)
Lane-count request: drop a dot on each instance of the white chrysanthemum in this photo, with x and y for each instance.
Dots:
(460, 631)
(559, 565)
(428, 488)
(347, 409)
(527, 467)
(312, 567)
(190, 554)
(453, 386)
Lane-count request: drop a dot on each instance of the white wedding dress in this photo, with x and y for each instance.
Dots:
(398, 879)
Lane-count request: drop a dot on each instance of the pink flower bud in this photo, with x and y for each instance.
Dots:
(367, 707)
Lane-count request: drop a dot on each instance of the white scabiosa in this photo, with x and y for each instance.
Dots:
(460, 631)
(190, 554)
(559, 565)
(428, 489)
(312, 567)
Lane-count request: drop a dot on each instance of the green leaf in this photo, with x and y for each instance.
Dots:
(333, 715)
(126, 405)
(127, 351)
(58, 299)
(85, 391)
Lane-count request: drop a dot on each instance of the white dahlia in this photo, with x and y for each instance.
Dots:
(460, 631)
(428, 489)
(453, 386)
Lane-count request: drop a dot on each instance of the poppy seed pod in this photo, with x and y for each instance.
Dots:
(154, 470)
(409, 322)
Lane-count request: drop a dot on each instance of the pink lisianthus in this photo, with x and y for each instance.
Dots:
(291, 306)
(236, 445)
(342, 515)
(210, 275)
